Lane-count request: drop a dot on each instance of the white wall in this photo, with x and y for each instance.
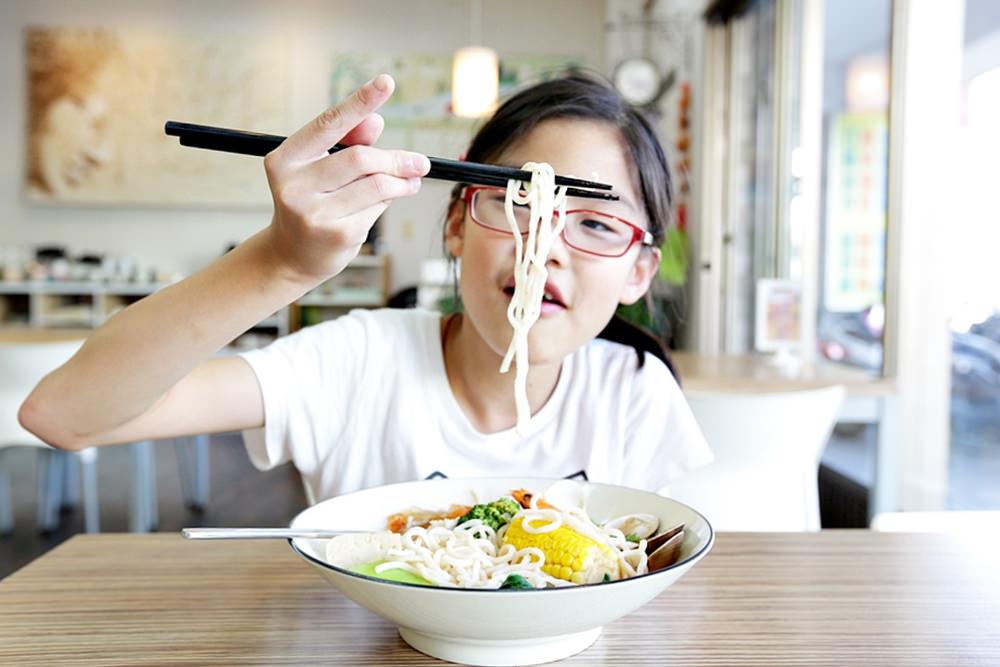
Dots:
(186, 239)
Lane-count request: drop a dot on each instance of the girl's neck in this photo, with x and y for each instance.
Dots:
(485, 395)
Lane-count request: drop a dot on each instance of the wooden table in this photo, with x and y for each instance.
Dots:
(759, 373)
(870, 400)
(830, 598)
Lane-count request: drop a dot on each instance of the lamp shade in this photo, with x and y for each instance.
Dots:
(868, 84)
(474, 81)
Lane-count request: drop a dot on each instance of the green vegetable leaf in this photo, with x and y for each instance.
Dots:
(632, 537)
(516, 582)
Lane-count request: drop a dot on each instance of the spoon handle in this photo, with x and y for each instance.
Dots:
(259, 533)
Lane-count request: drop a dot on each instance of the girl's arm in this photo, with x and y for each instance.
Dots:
(147, 372)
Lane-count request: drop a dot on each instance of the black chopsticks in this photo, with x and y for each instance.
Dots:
(254, 143)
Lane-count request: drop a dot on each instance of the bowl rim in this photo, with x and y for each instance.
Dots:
(508, 591)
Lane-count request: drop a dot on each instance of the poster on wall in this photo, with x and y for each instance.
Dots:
(97, 100)
(418, 115)
(423, 81)
(856, 211)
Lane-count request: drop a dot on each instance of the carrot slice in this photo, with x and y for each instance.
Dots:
(523, 496)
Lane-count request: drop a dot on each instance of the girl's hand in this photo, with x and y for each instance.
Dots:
(325, 204)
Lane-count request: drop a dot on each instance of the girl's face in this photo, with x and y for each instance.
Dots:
(588, 288)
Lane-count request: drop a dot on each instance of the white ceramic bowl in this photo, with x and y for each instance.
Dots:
(460, 625)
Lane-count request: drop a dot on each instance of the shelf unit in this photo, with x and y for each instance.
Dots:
(363, 284)
(81, 304)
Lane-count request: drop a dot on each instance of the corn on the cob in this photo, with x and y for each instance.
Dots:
(569, 555)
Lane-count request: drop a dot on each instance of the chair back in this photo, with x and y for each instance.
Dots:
(22, 366)
(767, 451)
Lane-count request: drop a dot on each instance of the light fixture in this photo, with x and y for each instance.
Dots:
(868, 84)
(475, 75)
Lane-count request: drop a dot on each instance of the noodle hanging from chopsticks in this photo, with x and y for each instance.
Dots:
(530, 274)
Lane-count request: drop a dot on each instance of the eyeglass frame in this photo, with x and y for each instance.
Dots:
(639, 235)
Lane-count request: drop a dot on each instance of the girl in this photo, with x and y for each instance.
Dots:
(383, 396)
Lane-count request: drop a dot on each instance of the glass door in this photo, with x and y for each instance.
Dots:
(973, 233)
(854, 181)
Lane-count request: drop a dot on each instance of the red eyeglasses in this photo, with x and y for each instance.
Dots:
(592, 232)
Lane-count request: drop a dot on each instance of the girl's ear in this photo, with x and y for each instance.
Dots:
(643, 271)
(454, 229)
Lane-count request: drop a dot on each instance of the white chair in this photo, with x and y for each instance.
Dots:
(982, 521)
(22, 365)
(435, 283)
(193, 468)
(767, 451)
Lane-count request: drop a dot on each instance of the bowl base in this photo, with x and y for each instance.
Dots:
(496, 652)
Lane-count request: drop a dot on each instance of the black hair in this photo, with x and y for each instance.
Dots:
(584, 96)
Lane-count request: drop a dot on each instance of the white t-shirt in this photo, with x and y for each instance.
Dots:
(364, 400)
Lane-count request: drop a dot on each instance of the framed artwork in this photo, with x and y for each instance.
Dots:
(423, 82)
(778, 316)
(98, 98)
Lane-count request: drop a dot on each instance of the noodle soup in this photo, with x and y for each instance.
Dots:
(519, 541)
(493, 626)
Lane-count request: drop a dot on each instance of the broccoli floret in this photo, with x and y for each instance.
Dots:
(496, 514)
(516, 582)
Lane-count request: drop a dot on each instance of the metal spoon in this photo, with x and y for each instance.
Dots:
(261, 533)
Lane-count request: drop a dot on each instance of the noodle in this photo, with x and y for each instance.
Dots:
(473, 555)
(452, 556)
(491, 542)
(530, 272)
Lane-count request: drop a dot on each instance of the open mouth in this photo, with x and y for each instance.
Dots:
(548, 297)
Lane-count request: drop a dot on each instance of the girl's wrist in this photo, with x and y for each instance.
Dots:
(267, 255)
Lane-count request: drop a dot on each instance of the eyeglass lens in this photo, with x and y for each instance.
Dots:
(586, 230)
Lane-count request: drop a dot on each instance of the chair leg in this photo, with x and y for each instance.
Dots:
(91, 500)
(70, 496)
(6, 504)
(143, 515)
(50, 473)
(184, 468)
(193, 463)
(203, 462)
(152, 498)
